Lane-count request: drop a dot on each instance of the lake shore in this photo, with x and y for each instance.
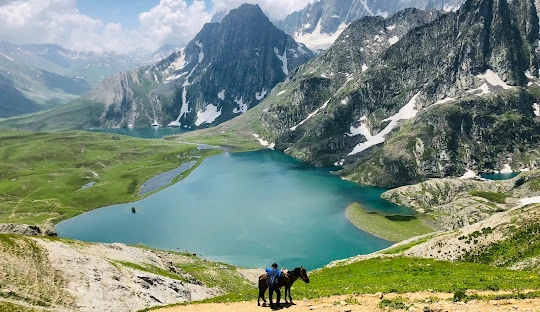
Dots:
(391, 228)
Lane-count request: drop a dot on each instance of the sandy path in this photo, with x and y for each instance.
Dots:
(369, 303)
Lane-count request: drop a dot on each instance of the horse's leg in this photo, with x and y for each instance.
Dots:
(262, 289)
(290, 298)
(285, 296)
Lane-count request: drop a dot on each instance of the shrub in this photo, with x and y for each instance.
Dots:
(459, 295)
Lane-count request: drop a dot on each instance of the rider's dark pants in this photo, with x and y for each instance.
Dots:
(275, 288)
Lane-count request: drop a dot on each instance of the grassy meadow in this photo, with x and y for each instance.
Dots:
(400, 275)
(41, 174)
(392, 228)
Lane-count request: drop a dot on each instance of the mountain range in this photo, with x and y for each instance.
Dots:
(35, 77)
(321, 22)
(457, 94)
(226, 69)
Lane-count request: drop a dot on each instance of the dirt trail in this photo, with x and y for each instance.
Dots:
(369, 303)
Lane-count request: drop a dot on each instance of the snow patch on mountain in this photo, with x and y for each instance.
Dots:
(317, 40)
(260, 95)
(529, 200)
(209, 115)
(506, 169)
(283, 59)
(469, 174)
(393, 40)
(406, 112)
(185, 104)
(493, 79)
(311, 115)
(362, 129)
(221, 95)
(175, 77)
(367, 7)
(483, 89)
(443, 101)
(263, 142)
(536, 109)
(201, 57)
(243, 107)
(180, 62)
(9, 58)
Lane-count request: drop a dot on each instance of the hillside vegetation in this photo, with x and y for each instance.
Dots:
(42, 174)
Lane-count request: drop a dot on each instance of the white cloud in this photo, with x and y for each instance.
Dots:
(58, 21)
(171, 21)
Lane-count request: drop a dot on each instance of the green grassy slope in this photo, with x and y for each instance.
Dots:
(79, 113)
(392, 228)
(41, 174)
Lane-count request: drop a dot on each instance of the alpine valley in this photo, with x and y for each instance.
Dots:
(422, 96)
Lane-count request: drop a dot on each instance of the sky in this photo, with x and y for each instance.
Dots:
(119, 25)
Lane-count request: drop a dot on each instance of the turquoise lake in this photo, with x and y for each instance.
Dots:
(248, 209)
(499, 176)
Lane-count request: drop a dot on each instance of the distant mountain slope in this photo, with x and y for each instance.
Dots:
(459, 93)
(226, 69)
(320, 23)
(43, 76)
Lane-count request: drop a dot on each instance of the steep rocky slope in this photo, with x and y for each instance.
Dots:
(457, 93)
(65, 275)
(453, 203)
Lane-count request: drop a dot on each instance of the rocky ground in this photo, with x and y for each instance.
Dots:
(369, 303)
(449, 204)
(78, 276)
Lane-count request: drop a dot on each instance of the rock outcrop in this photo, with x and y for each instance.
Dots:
(454, 203)
(24, 229)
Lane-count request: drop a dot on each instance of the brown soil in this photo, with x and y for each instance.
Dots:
(369, 303)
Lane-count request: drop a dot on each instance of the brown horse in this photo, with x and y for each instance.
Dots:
(286, 279)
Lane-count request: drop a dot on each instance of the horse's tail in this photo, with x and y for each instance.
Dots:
(262, 288)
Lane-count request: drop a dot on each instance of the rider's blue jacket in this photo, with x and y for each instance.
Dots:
(272, 276)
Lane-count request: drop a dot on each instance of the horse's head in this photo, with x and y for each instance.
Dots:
(302, 274)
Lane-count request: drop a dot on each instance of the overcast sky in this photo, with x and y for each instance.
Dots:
(118, 25)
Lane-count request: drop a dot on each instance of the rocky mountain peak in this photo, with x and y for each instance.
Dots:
(401, 102)
(246, 12)
(228, 68)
